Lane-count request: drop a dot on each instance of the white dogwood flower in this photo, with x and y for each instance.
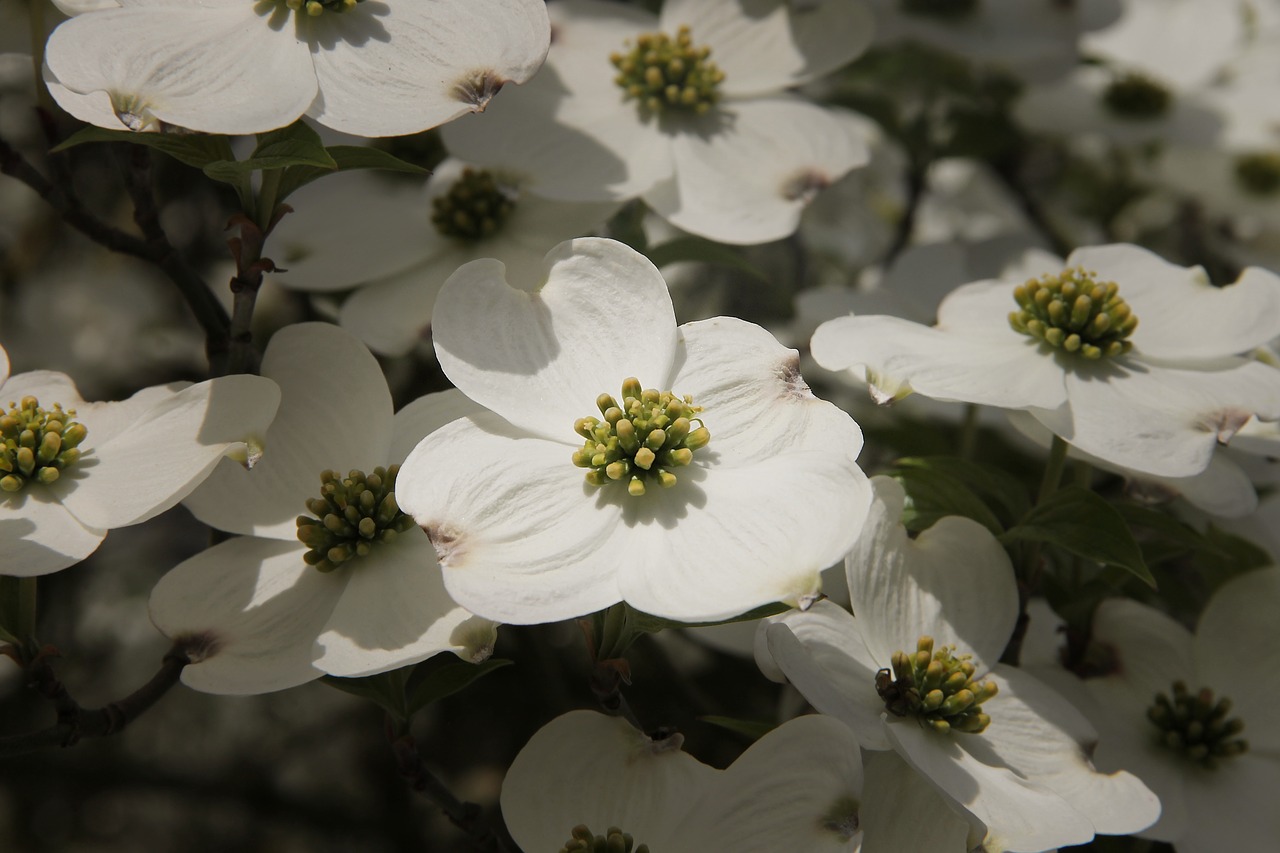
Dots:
(1155, 396)
(584, 774)
(368, 67)
(327, 576)
(916, 671)
(715, 482)
(686, 109)
(71, 470)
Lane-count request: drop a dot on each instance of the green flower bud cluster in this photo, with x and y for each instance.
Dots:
(1136, 96)
(351, 514)
(315, 8)
(641, 439)
(474, 207)
(939, 8)
(1259, 172)
(613, 841)
(664, 74)
(1075, 312)
(37, 443)
(936, 686)
(1197, 726)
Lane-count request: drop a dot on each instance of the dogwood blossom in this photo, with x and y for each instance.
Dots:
(685, 109)
(353, 590)
(368, 67)
(585, 775)
(715, 481)
(71, 470)
(412, 238)
(1189, 714)
(916, 671)
(1154, 396)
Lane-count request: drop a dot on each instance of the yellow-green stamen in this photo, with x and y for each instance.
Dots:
(351, 514)
(939, 8)
(1197, 726)
(640, 440)
(663, 74)
(315, 8)
(1075, 312)
(1259, 173)
(474, 207)
(1136, 96)
(938, 687)
(37, 443)
(582, 840)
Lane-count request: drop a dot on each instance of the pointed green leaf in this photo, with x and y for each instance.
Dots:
(385, 689)
(649, 624)
(347, 157)
(193, 149)
(1076, 519)
(295, 145)
(933, 494)
(703, 251)
(1000, 489)
(445, 680)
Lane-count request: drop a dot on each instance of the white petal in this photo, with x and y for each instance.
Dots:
(1184, 42)
(4, 366)
(894, 789)
(1019, 815)
(1233, 808)
(643, 787)
(424, 416)
(393, 612)
(520, 537)
(953, 582)
(797, 788)
(187, 67)
(391, 70)
(1037, 732)
(754, 400)
(724, 540)
(393, 315)
(1152, 650)
(540, 359)
(38, 535)
(1235, 641)
(942, 366)
(335, 414)
(255, 609)
(161, 457)
(821, 652)
(1161, 420)
(765, 47)
(980, 310)
(746, 171)
(1181, 315)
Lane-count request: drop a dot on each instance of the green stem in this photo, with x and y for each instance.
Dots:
(267, 195)
(969, 432)
(1053, 470)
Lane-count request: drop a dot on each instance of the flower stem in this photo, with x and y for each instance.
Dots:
(1053, 470)
(969, 432)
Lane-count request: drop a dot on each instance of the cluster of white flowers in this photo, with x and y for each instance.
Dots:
(598, 460)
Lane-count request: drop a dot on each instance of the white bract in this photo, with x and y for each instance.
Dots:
(1216, 779)
(676, 522)
(368, 67)
(1156, 398)
(409, 239)
(797, 788)
(63, 486)
(686, 110)
(261, 613)
(1009, 754)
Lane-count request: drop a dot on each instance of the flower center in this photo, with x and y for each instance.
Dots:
(664, 74)
(641, 439)
(1259, 172)
(473, 208)
(582, 840)
(937, 687)
(1197, 726)
(37, 443)
(939, 8)
(315, 8)
(1073, 311)
(351, 514)
(1136, 96)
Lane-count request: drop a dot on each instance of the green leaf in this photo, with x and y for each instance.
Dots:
(627, 226)
(933, 494)
(193, 149)
(448, 679)
(649, 624)
(385, 689)
(1076, 519)
(295, 145)
(703, 251)
(752, 730)
(347, 157)
(1000, 489)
